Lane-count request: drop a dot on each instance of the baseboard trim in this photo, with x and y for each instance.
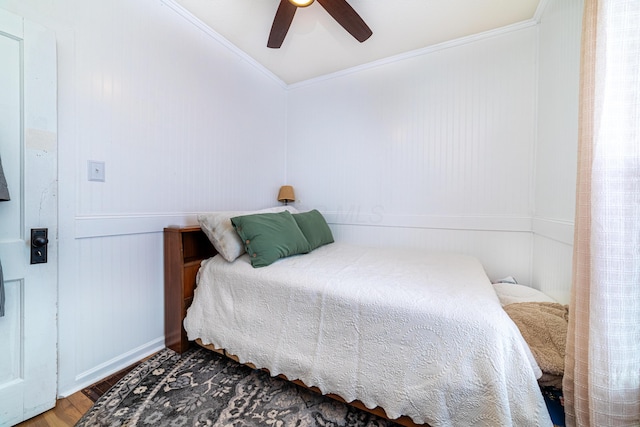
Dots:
(110, 367)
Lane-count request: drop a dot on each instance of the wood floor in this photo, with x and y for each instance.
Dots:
(70, 409)
(66, 413)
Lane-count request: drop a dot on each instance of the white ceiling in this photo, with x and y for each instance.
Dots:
(317, 45)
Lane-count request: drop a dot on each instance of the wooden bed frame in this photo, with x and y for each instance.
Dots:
(184, 249)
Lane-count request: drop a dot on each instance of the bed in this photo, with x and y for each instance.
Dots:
(418, 337)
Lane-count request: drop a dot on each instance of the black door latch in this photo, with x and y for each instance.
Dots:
(39, 241)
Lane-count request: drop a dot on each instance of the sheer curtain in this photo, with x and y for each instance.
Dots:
(602, 372)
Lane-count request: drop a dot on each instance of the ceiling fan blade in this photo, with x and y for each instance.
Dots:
(281, 23)
(348, 18)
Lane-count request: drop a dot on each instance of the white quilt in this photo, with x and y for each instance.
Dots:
(419, 334)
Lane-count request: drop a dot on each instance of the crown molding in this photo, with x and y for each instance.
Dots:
(420, 52)
(542, 6)
(193, 20)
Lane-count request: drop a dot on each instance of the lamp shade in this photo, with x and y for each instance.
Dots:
(286, 194)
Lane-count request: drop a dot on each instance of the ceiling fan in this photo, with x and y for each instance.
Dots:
(340, 10)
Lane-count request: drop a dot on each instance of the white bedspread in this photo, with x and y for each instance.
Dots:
(419, 334)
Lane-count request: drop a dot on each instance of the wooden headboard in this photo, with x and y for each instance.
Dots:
(184, 249)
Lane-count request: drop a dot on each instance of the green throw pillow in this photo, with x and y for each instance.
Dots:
(270, 236)
(314, 227)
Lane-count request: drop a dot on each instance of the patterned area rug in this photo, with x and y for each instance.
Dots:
(203, 388)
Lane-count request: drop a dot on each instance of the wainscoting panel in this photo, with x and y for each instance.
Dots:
(553, 265)
(115, 225)
(501, 253)
(560, 231)
(378, 218)
(119, 295)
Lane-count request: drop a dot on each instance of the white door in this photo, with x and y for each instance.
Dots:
(28, 151)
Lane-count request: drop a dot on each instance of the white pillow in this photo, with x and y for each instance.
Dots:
(509, 293)
(219, 229)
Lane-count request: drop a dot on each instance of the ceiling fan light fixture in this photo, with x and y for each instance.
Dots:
(301, 3)
(340, 10)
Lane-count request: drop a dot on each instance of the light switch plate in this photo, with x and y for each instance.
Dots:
(96, 170)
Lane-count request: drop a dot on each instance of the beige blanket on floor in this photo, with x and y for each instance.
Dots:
(544, 327)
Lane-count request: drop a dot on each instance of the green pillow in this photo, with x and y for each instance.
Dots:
(314, 227)
(270, 236)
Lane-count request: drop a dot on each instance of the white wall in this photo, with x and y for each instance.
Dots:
(433, 151)
(184, 125)
(557, 146)
(468, 147)
(439, 150)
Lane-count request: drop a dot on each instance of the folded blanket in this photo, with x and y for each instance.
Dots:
(543, 325)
